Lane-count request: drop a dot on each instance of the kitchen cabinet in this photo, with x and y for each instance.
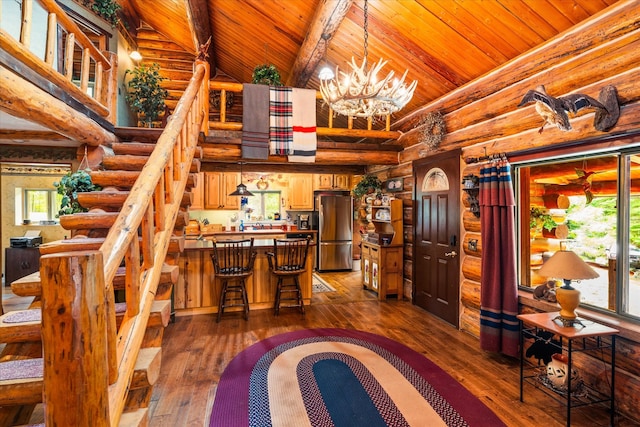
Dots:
(331, 182)
(301, 191)
(20, 262)
(198, 193)
(218, 186)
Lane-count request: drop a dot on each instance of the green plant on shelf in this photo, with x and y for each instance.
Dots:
(538, 218)
(367, 185)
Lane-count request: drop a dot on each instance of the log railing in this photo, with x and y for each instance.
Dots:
(349, 131)
(88, 364)
(70, 61)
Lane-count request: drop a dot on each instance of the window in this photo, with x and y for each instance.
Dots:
(37, 205)
(263, 205)
(591, 205)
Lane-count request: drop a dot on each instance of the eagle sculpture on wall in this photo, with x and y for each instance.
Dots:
(555, 110)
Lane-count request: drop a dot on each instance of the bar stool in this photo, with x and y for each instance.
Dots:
(288, 261)
(233, 264)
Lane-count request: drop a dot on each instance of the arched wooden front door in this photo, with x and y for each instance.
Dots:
(436, 266)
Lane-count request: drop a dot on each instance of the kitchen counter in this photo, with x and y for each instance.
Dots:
(257, 234)
(197, 291)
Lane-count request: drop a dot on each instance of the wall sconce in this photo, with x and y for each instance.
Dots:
(135, 56)
(471, 186)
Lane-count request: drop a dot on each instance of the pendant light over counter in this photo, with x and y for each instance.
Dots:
(241, 189)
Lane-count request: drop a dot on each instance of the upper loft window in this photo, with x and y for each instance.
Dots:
(591, 205)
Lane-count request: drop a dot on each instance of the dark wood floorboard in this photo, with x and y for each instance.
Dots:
(196, 350)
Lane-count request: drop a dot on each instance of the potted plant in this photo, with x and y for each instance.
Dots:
(106, 9)
(69, 186)
(266, 74)
(368, 184)
(145, 94)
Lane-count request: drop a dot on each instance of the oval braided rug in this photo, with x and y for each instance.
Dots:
(340, 377)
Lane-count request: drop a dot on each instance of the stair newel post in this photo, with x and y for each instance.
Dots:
(74, 339)
(202, 99)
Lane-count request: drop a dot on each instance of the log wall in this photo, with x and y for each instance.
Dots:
(483, 118)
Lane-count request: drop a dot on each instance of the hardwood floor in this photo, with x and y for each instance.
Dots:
(196, 351)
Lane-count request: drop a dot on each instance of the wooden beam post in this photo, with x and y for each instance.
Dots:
(74, 339)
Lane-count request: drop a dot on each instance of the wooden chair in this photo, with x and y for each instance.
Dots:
(233, 264)
(288, 261)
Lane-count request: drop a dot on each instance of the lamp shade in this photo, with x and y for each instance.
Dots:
(568, 266)
(241, 190)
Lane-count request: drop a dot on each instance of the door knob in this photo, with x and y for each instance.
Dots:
(450, 254)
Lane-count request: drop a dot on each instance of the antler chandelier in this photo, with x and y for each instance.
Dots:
(360, 93)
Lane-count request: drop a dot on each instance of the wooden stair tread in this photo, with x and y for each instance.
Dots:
(11, 332)
(114, 199)
(137, 418)
(27, 286)
(160, 315)
(30, 286)
(133, 162)
(147, 368)
(22, 391)
(123, 179)
(101, 220)
(94, 243)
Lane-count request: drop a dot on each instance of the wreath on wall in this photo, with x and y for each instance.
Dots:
(433, 129)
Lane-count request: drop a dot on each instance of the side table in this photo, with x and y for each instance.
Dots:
(572, 339)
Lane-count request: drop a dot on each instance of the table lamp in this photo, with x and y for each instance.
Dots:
(568, 266)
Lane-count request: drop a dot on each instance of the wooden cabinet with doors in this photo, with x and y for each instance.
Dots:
(382, 269)
(197, 203)
(331, 181)
(382, 250)
(300, 191)
(20, 262)
(218, 186)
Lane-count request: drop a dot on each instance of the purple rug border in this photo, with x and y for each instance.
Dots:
(232, 394)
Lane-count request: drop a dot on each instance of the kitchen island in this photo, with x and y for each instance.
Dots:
(198, 292)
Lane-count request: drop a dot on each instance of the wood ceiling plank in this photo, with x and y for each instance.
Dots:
(534, 18)
(573, 11)
(561, 15)
(402, 53)
(501, 22)
(160, 12)
(427, 43)
(470, 28)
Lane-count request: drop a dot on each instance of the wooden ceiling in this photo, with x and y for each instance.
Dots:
(443, 43)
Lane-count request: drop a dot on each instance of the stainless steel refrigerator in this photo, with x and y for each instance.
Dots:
(335, 231)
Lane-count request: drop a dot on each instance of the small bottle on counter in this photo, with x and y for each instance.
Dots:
(241, 227)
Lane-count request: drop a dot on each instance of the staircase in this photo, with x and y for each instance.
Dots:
(176, 64)
(89, 346)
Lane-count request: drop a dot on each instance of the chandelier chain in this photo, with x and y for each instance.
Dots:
(360, 92)
(366, 31)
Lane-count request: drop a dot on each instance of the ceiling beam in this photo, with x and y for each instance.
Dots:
(198, 15)
(326, 21)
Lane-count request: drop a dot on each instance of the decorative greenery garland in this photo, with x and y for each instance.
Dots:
(266, 74)
(433, 129)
